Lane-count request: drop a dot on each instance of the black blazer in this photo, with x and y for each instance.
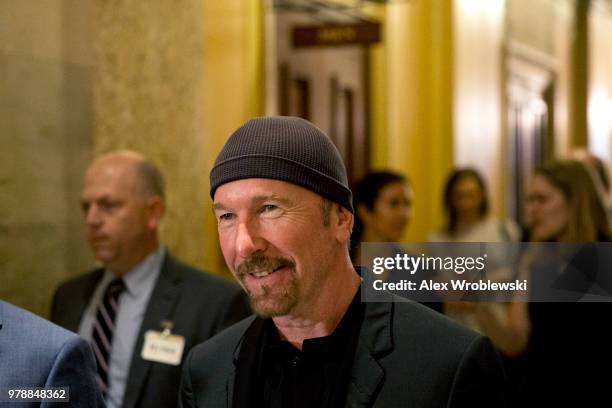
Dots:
(199, 305)
(407, 356)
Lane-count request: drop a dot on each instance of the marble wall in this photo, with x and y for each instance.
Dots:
(46, 122)
(83, 77)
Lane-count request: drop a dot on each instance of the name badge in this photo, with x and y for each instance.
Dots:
(163, 348)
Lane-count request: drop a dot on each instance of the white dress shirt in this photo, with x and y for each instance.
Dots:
(139, 284)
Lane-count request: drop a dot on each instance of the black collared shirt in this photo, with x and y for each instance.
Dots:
(271, 373)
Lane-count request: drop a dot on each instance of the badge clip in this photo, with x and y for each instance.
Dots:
(167, 327)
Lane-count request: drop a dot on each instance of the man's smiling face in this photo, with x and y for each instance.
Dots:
(275, 242)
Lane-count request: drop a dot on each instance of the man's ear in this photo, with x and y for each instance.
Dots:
(156, 208)
(343, 223)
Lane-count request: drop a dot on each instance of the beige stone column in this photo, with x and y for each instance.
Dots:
(149, 96)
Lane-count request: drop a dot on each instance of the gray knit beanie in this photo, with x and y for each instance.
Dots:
(283, 148)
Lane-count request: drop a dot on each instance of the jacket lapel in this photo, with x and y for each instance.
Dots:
(249, 340)
(160, 306)
(374, 339)
(366, 376)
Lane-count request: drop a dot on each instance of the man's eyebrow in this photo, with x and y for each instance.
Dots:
(104, 197)
(271, 197)
(217, 206)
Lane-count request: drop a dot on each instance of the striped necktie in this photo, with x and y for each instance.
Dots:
(104, 326)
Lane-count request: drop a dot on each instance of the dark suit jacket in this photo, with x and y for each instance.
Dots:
(407, 356)
(37, 353)
(199, 305)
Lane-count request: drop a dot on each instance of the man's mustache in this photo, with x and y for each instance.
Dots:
(262, 263)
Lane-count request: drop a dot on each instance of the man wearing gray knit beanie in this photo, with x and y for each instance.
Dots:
(284, 214)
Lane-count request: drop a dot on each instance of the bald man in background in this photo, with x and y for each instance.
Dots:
(143, 309)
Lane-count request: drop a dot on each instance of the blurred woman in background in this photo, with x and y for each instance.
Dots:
(383, 209)
(467, 206)
(563, 205)
(556, 351)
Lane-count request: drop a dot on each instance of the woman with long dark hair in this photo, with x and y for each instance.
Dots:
(383, 209)
(466, 203)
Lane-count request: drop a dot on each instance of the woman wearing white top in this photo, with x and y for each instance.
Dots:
(466, 204)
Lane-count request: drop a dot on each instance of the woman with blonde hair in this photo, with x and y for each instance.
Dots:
(559, 347)
(563, 205)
